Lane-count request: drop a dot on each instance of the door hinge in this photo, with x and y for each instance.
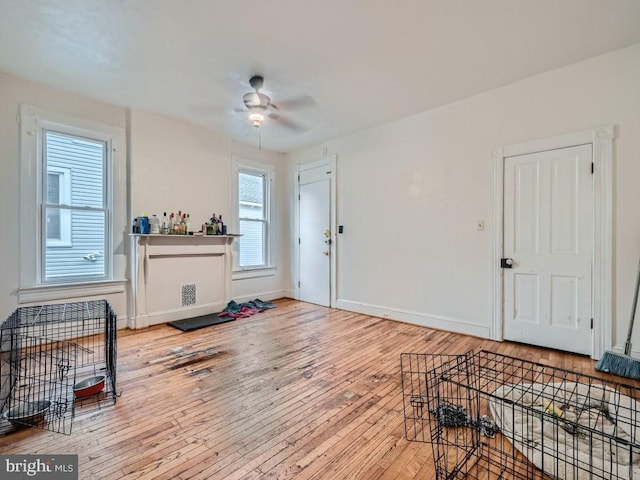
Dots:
(298, 240)
(593, 168)
(298, 177)
(298, 283)
(298, 197)
(592, 324)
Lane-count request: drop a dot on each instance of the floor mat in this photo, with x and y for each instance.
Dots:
(194, 323)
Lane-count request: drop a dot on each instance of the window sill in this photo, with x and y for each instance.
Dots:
(45, 293)
(254, 273)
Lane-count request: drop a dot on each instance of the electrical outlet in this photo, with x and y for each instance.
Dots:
(479, 225)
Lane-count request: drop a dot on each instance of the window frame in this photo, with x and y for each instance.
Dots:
(241, 165)
(34, 122)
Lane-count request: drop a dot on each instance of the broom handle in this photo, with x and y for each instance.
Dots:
(627, 345)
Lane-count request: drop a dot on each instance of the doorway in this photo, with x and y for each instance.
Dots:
(316, 232)
(552, 237)
(548, 248)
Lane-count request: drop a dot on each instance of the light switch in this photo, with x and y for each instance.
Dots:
(479, 225)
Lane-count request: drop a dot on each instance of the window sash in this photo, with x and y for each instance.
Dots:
(88, 257)
(253, 251)
(252, 216)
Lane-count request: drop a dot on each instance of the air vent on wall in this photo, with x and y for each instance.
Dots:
(188, 295)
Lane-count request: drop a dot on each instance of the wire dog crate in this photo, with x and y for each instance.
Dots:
(56, 361)
(492, 416)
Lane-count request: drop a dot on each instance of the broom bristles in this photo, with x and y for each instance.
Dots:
(619, 364)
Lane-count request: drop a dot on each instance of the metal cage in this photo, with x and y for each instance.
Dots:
(56, 361)
(491, 416)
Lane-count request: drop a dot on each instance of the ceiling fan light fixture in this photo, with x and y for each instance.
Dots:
(256, 118)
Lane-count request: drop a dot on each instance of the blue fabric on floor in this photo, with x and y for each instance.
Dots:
(234, 308)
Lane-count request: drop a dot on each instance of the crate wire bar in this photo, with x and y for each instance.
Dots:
(492, 416)
(45, 351)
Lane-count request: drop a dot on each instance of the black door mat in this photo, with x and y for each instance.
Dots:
(194, 323)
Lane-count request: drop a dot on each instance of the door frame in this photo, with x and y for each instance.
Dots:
(330, 162)
(601, 139)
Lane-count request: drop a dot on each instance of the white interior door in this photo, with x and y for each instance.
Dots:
(549, 236)
(315, 247)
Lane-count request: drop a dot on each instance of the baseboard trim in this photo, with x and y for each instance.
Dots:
(155, 318)
(450, 324)
(122, 322)
(143, 321)
(272, 295)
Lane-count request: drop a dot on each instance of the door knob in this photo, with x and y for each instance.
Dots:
(506, 263)
(326, 252)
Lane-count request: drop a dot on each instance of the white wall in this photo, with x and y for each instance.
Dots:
(172, 165)
(281, 283)
(179, 166)
(14, 91)
(410, 192)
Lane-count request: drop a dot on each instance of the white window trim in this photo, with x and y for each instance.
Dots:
(64, 175)
(32, 121)
(256, 272)
(241, 164)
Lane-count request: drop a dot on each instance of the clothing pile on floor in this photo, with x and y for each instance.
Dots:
(246, 309)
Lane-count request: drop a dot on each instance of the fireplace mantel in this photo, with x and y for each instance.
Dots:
(178, 276)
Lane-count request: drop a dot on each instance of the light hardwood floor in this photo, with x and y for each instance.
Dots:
(300, 391)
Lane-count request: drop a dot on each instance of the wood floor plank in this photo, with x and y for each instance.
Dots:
(300, 391)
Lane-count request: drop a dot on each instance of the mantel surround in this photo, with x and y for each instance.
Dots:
(178, 276)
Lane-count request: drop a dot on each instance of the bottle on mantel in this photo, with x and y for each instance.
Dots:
(214, 224)
(154, 225)
(220, 226)
(165, 224)
(176, 225)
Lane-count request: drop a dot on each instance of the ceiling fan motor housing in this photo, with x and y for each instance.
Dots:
(256, 100)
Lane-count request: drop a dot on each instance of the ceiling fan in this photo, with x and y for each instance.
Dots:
(259, 106)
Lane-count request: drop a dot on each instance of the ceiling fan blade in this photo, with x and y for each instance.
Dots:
(304, 101)
(296, 127)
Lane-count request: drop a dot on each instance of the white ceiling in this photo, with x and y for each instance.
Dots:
(363, 62)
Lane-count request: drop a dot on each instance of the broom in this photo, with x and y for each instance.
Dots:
(618, 364)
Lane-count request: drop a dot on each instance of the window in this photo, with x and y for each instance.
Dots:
(253, 185)
(67, 167)
(74, 206)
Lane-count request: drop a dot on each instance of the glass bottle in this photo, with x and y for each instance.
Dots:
(165, 224)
